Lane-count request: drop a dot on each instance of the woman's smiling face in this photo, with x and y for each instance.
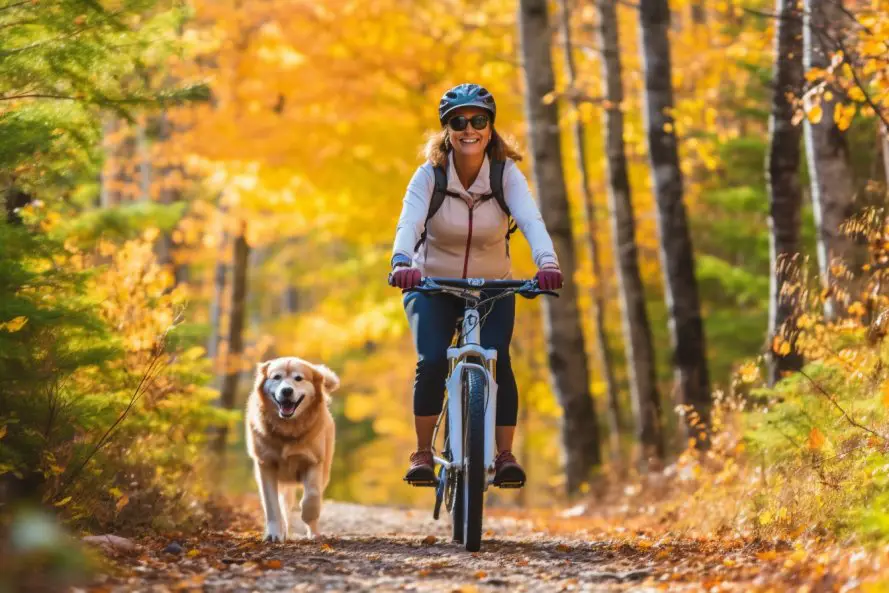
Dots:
(470, 142)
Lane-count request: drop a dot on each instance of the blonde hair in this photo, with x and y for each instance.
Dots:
(438, 145)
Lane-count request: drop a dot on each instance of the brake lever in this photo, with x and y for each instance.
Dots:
(426, 285)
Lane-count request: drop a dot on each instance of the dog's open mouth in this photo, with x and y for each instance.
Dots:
(288, 408)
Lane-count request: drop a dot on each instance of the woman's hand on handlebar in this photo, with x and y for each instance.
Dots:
(549, 278)
(404, 277)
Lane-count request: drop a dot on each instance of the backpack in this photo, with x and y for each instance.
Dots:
(440, 191)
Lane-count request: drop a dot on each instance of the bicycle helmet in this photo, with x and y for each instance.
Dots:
(466, 95)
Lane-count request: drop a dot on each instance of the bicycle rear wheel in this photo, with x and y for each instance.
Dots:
(474, 471)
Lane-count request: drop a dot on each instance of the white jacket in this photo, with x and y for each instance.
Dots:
(464, 241)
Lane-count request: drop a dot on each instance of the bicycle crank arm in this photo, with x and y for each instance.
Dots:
(447, 464)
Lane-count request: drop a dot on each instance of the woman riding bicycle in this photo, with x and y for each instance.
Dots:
(466, 237)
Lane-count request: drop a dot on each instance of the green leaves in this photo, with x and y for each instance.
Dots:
(61, 65)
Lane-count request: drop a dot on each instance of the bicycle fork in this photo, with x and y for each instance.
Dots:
(471, 347)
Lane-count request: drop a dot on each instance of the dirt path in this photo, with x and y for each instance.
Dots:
(380, 549)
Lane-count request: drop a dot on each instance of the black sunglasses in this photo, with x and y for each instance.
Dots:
(459, 123)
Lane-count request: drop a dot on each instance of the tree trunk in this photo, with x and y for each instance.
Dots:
(677, 258)
(636, 328)
(143, 149)
(171, 175)
(232, 369)
(219, 275)
(785, 194)
(698, 12)
(827, 153)
(565, 341)
(258, 306)
(599, 289)
(120, 145)
(14, 200)
(885, 131)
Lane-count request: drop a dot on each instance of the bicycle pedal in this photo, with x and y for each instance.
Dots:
(422, 483)
(509, 484)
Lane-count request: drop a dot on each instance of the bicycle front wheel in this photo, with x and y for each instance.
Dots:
(475, 475)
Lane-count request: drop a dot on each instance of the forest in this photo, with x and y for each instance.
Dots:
(191, 187)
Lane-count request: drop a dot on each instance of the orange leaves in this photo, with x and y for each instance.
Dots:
(857, 309)
(122, 499)
(749, 372)
(814, 114)
(884, 392)
(13, 325)
(816, 439)
(767, 555)
(780, 346)
(805, 321)
(843, 114)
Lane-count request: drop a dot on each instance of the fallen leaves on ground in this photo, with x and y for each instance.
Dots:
(371, 548)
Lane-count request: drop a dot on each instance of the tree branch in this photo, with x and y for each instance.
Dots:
(867, 98)
(147, 377)
(14, 5)
(833, 400)
(19, 23)
(772, 15)
(38, 96)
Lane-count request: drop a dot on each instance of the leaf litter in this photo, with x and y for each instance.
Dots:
(522, 551)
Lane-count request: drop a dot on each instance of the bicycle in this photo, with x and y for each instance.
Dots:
(466, 464)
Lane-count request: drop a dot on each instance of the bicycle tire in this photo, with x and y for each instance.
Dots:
(457, 510)
(474, 472)
(441, 490)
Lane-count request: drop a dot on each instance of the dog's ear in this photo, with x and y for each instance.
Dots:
(262, 373)
(325, 377)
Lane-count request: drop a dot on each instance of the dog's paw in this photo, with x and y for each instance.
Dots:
(297, 529)
(312, 531)
(273, 534)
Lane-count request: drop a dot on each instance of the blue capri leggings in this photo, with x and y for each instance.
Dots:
(433, 322)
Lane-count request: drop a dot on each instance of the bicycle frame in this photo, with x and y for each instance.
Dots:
(470, 347)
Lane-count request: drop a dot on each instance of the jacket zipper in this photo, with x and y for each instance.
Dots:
(468, 242)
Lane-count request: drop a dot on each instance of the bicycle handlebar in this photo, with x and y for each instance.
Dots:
(526, 288)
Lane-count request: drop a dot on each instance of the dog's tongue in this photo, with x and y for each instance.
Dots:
(288, 408)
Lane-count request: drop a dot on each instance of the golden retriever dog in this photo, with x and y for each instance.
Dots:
(290, 437)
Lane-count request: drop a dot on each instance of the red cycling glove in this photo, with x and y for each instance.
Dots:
(404, 277)
(550, 279)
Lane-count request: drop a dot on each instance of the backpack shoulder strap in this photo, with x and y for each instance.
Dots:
(439, 192)
(497, 168)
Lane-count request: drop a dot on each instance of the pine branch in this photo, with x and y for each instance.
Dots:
(19, 23)
(14, 5)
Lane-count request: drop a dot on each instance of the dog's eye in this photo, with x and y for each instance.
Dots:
(297, 378)
(276, 377)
